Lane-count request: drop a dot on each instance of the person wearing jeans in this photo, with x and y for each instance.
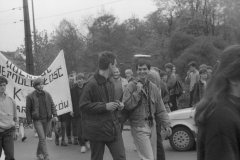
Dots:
(142, 99)
(40, 109)
(8, 118)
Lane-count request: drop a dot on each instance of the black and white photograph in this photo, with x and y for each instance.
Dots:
(119, 80)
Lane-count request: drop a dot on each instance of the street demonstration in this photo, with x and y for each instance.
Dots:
(120, 80)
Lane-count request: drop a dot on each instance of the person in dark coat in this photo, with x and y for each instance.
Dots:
(99, 111)
(200, 87)
(218, 113)
(40, 109)
(76, 92)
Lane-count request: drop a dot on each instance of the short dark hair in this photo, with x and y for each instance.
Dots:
(142, 62)
(3, 80)
(192, 64)
(169, 65)
(203, 71)
(105, 58)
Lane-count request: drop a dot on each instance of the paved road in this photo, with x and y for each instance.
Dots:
(26, 150)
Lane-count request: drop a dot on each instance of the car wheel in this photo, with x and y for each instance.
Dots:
(182, 139)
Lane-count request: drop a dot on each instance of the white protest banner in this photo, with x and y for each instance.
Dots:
(55, 82)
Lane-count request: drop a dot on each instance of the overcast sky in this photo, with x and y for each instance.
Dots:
(48, 14)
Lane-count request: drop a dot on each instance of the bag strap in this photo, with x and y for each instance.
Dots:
(150, 117)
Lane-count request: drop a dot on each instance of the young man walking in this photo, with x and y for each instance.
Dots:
(192, 78)
(76, 92)
(143, 100)
(40, 109)
(8, 118)
(99, 111)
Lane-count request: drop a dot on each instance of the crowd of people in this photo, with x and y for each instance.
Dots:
(103, 102)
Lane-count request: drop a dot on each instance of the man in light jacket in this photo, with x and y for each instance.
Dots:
(8, 118)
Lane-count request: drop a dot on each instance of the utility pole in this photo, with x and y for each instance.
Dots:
(28, 40)
(34, 30)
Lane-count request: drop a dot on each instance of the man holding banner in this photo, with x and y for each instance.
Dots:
(40, 108)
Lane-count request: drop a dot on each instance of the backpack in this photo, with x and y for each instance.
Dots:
(178, 89)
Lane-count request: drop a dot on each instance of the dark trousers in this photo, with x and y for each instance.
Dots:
(63, 132)
(191, 98)
(69, 126)
(77, 130)
(7, 144)
(116, 148)
(173, 101)
(160, 149)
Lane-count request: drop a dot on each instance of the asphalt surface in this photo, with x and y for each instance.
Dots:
(26, 150)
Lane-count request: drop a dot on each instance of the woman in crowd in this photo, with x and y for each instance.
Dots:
(218, 113)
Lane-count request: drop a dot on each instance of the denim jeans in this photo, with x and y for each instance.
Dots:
(41, 127)
(145, 139)
(7, 144)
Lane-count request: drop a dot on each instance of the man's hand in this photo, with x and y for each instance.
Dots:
(139, 87)
(71, 113)
(111, 106)
(120, 105)
(169, 131)
(55, 119)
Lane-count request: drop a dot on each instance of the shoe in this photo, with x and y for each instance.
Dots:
(57, 142)
(46, 158)
(40, 157)
(49, 138)
(88, 145)
(36, 135)
(83, 149)
(75, 142)
(24, 138)
(63, 143)
(69, 141)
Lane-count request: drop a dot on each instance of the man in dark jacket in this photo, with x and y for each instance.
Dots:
(76, 92)
(40, 108)
(99, 112)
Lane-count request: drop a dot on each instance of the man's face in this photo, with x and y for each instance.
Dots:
(3, 87)
(191, 68)
(168, 70)
(209, 71)
(116, 74)
(164, 78)
(71, 81)
(142, 71)
(204, 76)
(112, 67)
(39, 87)
(128, 75)
(80, 81)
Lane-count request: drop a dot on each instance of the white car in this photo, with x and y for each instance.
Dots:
(184, 130)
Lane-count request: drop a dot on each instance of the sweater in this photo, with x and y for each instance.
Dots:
(219, 137)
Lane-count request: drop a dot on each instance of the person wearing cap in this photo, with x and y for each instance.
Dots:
(40, 109)
(8, 118)
(76, 92)
(192, 78)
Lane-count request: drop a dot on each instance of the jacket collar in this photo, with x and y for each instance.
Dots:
(100, 79)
